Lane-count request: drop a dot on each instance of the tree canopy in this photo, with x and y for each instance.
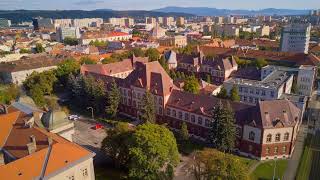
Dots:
(211, 164)
(153, 54)
(153, 152)
(87, 60)
(148, 108)
(9, 93)
(65, 68)
(234, 94)
(113, 98)
(39, 48)
(70, 41)
(223, 131)
(191, 85)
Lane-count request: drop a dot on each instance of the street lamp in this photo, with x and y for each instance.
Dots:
(91, 108)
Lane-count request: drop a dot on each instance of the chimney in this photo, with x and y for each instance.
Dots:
(32, 146)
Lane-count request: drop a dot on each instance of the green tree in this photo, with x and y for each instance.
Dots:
(113, 97)
(109, 60)
(223, 130)
(138, 52)
(223, 93)
(44, 81)
(37, 95)
(87, 60)
(153, 54)
(210, 164)
(65, 68)
(136, 32)
(259, 63)
(95, 94)
(153, 149)
(184, 134)
(98, 43)
(191, 85)
(70, 41)
(25, 51)
(8, 94)
(148, 108)
(234, 94)
(39, 48)
(117, 143)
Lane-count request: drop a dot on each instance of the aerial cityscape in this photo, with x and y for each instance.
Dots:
(159, 90)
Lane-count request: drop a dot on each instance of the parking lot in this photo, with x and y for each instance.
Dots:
(87, 136)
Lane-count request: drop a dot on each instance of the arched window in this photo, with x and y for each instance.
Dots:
(276, 150)
(269, 138)
(267, 150)
(284, 149)
(278, 137)
(252, 135)
(286, 136)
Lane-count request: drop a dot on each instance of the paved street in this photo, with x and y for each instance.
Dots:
(86, 136)
(295, 159)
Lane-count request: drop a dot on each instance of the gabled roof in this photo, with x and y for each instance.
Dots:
(276, 114)
(150, 76)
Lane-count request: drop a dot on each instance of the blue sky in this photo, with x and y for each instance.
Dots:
(153, 4)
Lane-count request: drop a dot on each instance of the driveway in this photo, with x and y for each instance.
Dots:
(295, 158)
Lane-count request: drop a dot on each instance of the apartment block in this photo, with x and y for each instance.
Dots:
(5, 23)
(296, 38)
(169, 21)
(71, 32)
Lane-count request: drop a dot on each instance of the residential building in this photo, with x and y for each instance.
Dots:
(176, 41)
(86, 38)
(265, 131)
(39, 154)
(160, 20)
(218, 20)
(70, 32)
(122, 22)
(169, 21)
(296, 38)
(180, 21)
(42, 23)
(62, 23)
(17, 71)
(151, 20)
(229, 20)
(129, 22)
(263, 31)
(5, 23)
(87, 22)
(226, 30)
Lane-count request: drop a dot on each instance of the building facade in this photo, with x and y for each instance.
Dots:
(296, 38)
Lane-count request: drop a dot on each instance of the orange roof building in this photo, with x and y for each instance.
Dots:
(29, 152)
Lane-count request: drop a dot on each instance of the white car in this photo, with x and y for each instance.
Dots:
(74, 117)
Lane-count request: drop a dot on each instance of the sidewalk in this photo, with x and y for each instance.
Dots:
(295, 159)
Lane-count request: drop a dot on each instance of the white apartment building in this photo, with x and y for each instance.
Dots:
(62, 23)
(122, 22)
(271, 87)
(226, 30)
(169, 21)
(263, 31)
(305, 76)
(296, 38)
(87, 22)
(4, 23)
(71, 32)
(151, 20)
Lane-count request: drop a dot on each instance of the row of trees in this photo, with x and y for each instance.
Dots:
(234, 94)
(258, 63)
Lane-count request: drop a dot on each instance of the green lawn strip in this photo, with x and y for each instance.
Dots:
(265, 170)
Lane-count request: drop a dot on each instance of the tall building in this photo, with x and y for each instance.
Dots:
(218, 20)
(4, 23)
(42, 23)
(229, 20)
(71, 32)
(296, 38)
(180, 21)
(129, 22)
(168, 21)
(62, 22)
(151, 20)
(263, 31)
(160, 20)
(88, 22)
(122, 22)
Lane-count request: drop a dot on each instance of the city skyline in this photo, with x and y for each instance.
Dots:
(150, 5)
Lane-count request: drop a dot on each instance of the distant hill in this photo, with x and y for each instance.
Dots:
(205, 11)
(26, 15)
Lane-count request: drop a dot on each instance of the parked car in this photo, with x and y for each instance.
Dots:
(74, 117)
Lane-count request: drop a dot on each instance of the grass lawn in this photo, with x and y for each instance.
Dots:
(107, 173)
(247, 161)
(265, 170)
